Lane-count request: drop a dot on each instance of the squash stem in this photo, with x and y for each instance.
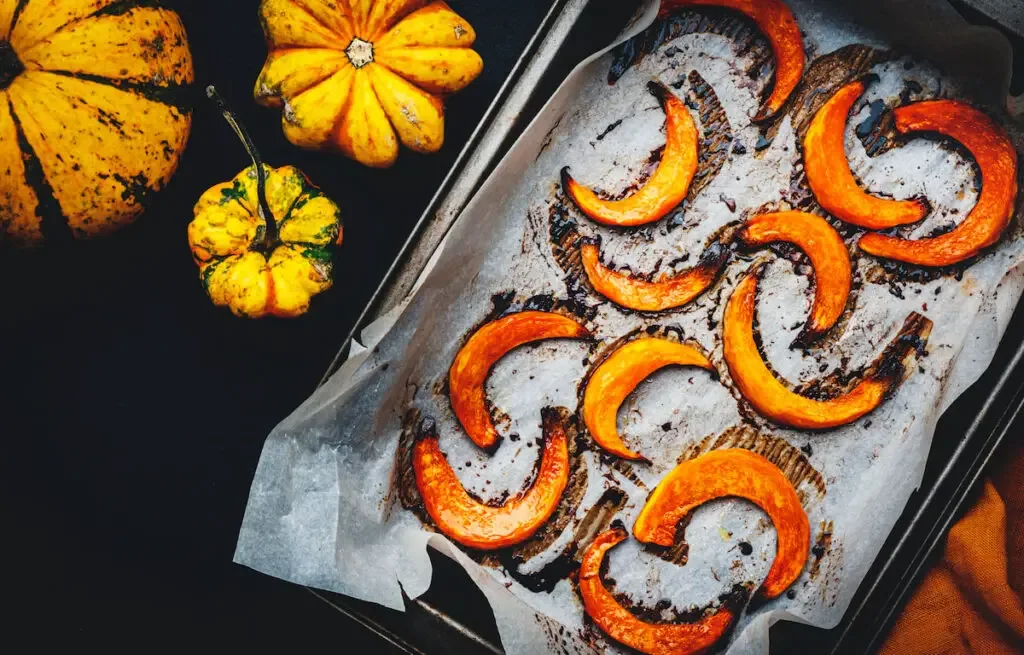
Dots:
(270, 237)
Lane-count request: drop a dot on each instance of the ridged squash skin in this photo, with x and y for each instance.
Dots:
(92, 114)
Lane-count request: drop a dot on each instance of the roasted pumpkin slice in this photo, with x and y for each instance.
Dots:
(732, 472)
(773, 400)
(482, 351)
(828, 255)
(828, 170)
(487, 527)
(624, 627)
(992, 150)
(667, 292)
(618, 375)
(665, 189)
(776, 22)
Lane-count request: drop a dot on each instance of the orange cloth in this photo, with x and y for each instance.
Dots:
(970, 601)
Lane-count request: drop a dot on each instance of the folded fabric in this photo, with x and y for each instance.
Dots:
(970, 600)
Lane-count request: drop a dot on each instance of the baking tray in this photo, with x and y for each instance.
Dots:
(453, 616)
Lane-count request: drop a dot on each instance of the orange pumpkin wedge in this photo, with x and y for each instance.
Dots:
(732, 472)
(828, 171)
(482, 351)
(773, 400)
(776, 22)
(828, 255)
(992, 150)
(667, 292)
(478, 525)
(621, 625)
(665, 189)
(618, 375)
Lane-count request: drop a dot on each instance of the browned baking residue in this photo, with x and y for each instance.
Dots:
(893, 364)
(679, 551)
(822, 545)
(740, 30)
(403, 478)
(824, 76)
(665, 612)
(716, 134)
(598, 518)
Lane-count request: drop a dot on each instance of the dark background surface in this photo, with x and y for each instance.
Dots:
(134, 410)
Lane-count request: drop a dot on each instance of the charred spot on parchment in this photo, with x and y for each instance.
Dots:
(549, 137)
(506, 303)
(679, 551)
(877, 132)
(606, 131)
(558, 636)
(808, 482)
(822, 546)
(597, 519)
(893, 365)
(707, 20)
(896, 275)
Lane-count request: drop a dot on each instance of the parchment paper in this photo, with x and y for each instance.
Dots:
(322, 511)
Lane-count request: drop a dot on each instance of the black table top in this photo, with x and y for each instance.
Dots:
(134, 411)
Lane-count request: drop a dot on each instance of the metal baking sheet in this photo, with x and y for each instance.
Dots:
(910, 547)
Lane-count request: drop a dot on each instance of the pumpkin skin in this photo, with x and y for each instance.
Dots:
(667, 186)
(778, 403)
(732, 473)
(668, 291)
(617, 376)
(91, 114)
(494, 340)
(226, 240)
(488, 527)
(829, 259)
(996, 158)
(360, 77)
(624, 627)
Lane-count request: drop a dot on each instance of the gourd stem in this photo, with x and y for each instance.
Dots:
(270, 235)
